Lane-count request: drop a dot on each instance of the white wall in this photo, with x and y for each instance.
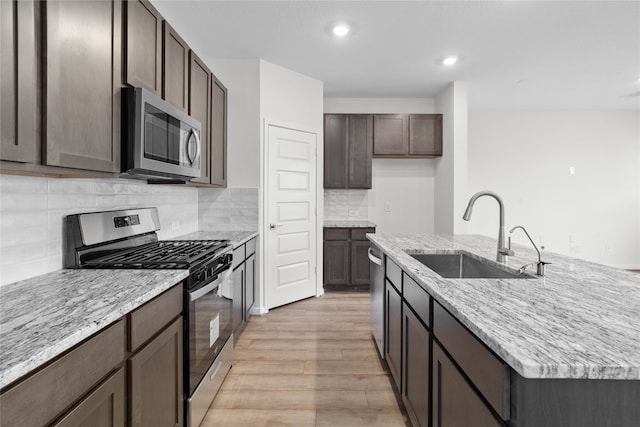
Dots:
(406, 185)
(242, 80)
(525, 157)
(451, 192)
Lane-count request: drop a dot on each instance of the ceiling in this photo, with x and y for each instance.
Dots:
(549, 55)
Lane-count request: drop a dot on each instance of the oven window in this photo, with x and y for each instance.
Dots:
(161, 136)
(209, 327)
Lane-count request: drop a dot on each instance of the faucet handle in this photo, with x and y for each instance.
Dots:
(506, 251)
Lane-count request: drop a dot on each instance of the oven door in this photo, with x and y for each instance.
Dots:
(209, 325)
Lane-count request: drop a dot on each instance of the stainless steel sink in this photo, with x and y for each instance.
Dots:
(460, 265)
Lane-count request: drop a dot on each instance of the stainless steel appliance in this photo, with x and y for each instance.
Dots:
(377, 297)
(128, 239)
(159, 141)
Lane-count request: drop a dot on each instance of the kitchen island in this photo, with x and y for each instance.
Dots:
(569, 341)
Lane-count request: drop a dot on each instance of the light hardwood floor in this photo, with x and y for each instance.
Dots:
(311, 363)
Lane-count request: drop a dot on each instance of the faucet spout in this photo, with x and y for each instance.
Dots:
(503, 252)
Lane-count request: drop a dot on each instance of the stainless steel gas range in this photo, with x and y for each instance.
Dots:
(128, 239)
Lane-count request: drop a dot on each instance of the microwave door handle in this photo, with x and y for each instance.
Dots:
(194, 134)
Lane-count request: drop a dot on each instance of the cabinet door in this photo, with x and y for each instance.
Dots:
(391, 134)
(425, 134)
(394, 332)
(218, 157)
(360, 271)
(455, 403)
(156, 380)
(18, 85)
(143, 66)
(415, 369)
(360, 150)
(335, 151)
(336, 262)
(250, 291)
(103, 407)
(200, 109)
(175, 68)
(82, 84)
(237, 307)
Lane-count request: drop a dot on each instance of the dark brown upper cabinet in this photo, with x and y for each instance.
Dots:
(200, 109)
(143, 65)
(175, 68)
(218, 147)
(19, 119)
(425, 134)
(407, 135)
(391, 134)
(348, 146)
(82, 79)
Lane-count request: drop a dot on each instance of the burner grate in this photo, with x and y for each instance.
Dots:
(162, 254)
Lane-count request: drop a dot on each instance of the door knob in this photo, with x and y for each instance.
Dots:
(274, 226)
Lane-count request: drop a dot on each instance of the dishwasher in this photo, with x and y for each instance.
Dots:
(377, 297)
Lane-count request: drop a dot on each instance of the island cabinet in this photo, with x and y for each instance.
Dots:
(416, 338)
(393, 315)
(407, 135)
(345, 260)
(348, 147)
(127, 374)
(244, 285)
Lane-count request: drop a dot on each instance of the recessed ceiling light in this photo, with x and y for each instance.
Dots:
(341, 30)
(450, 60)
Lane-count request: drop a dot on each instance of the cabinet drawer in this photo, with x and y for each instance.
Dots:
(485, 370)
(360, 233)
(149, 319)
(394, 274)
(417, 298)
(336, 234)
(238, 256)
(250, 247)
(43, 396)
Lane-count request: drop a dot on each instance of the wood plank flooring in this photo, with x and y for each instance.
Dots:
(311, 363)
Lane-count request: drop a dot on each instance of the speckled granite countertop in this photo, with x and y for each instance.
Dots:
(46, 315)
(349, 224)
(582, 320)
(236, 237)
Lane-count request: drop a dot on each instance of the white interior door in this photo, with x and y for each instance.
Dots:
(291, 215)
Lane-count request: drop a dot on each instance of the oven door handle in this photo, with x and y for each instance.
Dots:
(208, 288)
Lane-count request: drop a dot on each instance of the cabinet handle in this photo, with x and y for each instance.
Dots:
(374, 259)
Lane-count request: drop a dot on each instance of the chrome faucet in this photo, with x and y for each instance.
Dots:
(540, 264)
(503, 252)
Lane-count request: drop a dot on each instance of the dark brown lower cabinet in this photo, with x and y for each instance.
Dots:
(455, 403)
(249, 286)
(393, 314)
(103, 407)
(237, 315)
(156, 380)
(415, 369)
(346, 263)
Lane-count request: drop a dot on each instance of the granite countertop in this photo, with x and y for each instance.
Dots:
(46, 315)
(581, 320)
(349, 224)
(236, 237)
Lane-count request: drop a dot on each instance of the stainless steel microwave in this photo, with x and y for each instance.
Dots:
(159, 141)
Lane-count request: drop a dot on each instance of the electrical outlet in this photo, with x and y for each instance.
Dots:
(354, 213)
(572, 170)
(387, 207)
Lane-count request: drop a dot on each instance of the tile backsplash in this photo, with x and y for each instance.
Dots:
(227, 209)
(32, 212)
(338, 203)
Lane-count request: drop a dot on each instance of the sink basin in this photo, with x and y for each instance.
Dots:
(460, 265)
